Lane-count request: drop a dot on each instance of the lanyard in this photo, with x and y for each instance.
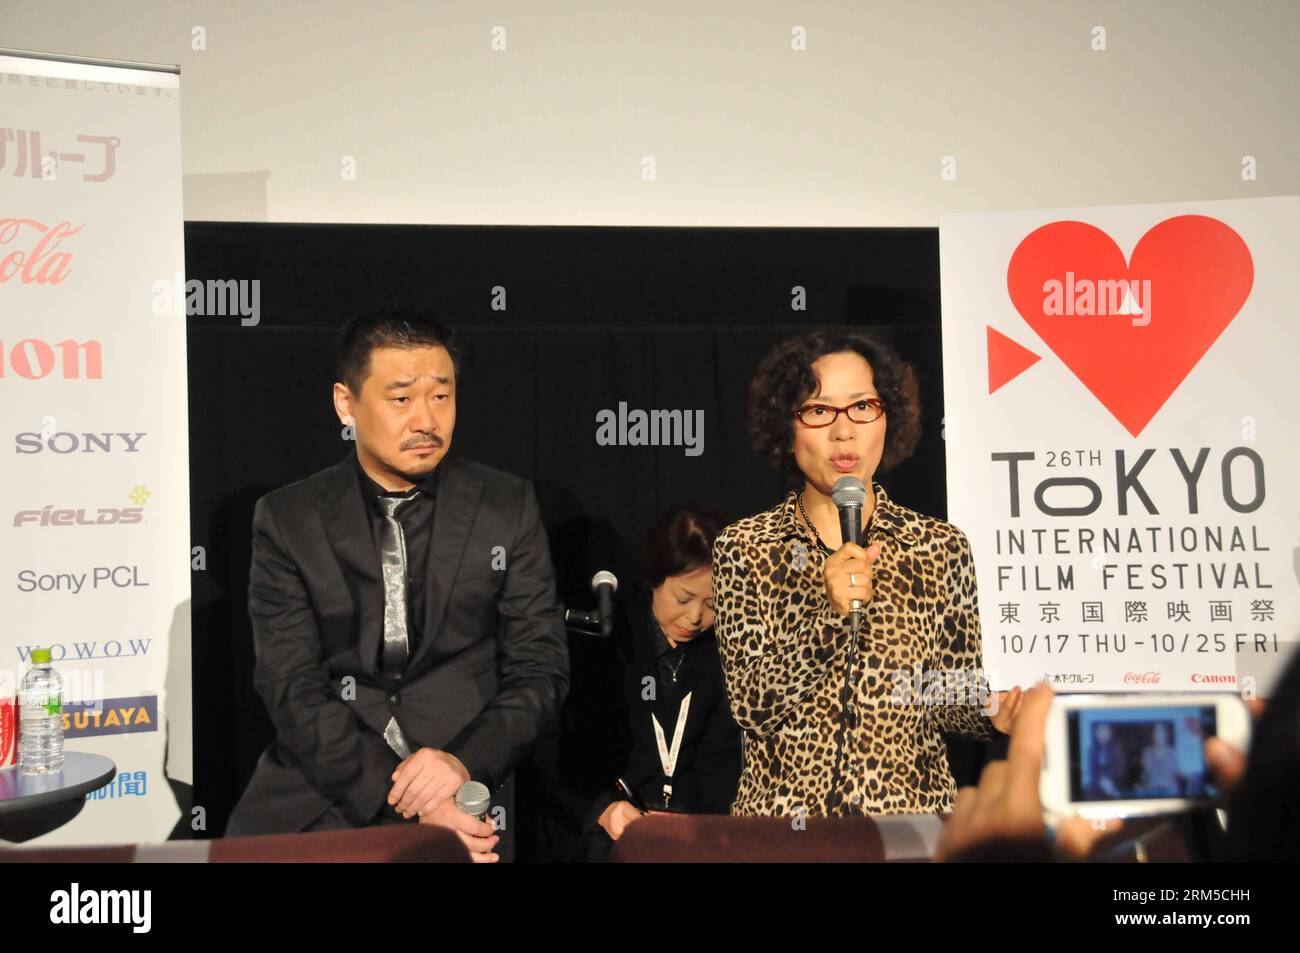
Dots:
(668, 758)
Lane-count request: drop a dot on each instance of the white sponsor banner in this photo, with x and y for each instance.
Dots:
(95, 561)
(1120, 396)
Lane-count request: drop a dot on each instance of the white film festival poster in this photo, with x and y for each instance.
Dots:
(96, 557)
(1120, 393)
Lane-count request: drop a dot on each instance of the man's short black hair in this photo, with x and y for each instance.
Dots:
(388, 326)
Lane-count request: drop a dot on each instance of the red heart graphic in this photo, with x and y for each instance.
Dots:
(1199, 271)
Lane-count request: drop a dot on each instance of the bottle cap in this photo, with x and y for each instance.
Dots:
(40, 656)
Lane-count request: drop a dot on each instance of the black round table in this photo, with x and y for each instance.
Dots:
(35, 804)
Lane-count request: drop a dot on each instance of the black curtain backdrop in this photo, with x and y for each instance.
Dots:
(658, 318)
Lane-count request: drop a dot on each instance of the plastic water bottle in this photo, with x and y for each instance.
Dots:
(40, 724)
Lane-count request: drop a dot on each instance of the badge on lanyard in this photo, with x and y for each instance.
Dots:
(668, 756)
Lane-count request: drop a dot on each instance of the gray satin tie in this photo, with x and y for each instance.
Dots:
(397, 646)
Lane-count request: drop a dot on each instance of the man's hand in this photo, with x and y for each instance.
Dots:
(1006, 805)
(1226, 763)
(478, 836)
(1008, 705)
(848, 565)
(615, 818)
(424, 780)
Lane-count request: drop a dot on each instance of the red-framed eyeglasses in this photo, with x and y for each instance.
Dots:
(864, 411)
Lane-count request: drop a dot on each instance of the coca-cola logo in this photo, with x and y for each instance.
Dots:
(1141, 678)
(1199, 679)
(38, 261)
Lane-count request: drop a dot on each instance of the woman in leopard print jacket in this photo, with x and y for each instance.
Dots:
(821, 737)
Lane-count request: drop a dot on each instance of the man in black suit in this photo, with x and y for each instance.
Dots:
(407, 630)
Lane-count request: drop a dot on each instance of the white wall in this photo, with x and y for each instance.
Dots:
(744, 130)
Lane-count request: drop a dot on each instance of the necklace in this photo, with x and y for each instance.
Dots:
(676, 668)
(812, 526)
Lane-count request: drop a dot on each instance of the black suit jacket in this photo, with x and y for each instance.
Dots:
(489, 671)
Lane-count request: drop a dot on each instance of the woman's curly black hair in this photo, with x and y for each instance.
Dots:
(785, 381)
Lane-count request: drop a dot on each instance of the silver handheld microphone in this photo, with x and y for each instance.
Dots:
(473, 799)
(849, 496)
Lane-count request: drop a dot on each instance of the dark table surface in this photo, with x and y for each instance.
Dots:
(35, 804)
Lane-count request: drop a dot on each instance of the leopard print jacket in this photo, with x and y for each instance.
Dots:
(784, 654)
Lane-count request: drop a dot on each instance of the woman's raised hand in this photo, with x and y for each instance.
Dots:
(848, 575)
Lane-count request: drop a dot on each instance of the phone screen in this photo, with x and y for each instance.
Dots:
(1133, 754)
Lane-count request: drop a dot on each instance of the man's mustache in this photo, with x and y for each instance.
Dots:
(426, 442)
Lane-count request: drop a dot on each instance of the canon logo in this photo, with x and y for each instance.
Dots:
(1141, 678)
(66, 442)
(104, 516)
(34, 359)
(1199, 679)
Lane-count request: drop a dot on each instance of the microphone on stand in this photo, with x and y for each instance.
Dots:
(604, 584)
(849, 495)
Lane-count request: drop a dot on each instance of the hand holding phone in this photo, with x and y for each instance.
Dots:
(1111, 756)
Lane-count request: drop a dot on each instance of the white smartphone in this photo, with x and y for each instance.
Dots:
(1129, 755)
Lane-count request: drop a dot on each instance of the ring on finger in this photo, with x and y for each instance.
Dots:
(853, 579)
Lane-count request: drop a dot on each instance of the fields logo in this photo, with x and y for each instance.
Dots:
(48, 515)
(103, 516)
(1130, 331)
